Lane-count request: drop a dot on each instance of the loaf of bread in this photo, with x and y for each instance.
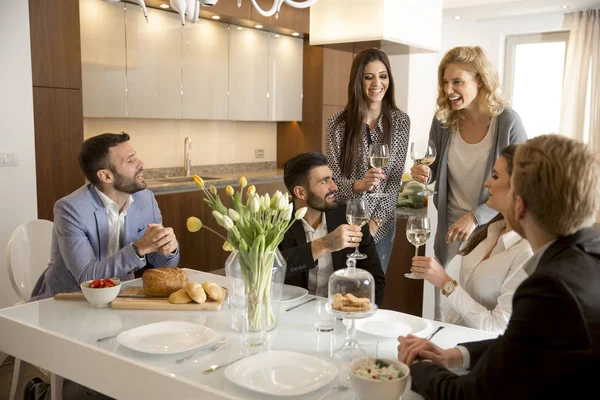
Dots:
(214, 291)
(161, 282)
(180, 297)
(196, 292)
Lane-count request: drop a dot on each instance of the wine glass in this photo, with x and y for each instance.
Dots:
(379, 155)
(418, 230)
(357, 214)
(423, 153)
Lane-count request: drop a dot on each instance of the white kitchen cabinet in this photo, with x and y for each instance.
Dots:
(205, 70)
(285, 78)
(103, 58)
(248, 74)
(154, 64)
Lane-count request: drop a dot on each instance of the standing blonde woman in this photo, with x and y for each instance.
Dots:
(471, 125)
(371, 116)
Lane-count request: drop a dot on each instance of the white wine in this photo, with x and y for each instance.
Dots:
(418, 237)
(378, 162)
(358, 221)
(425, 160)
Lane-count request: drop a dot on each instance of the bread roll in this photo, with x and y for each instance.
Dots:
(180, 297)
(213, 291)
(161, 282)
(196, 292)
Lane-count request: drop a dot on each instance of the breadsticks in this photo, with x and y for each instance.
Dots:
(350, 303)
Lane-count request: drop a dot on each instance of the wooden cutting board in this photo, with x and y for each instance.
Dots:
(158, 303)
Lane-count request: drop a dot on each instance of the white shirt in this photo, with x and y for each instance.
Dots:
(483, 297)
(466, 168)
(116, 221)
(318, 278)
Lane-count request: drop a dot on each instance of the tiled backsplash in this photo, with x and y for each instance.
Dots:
(159, 142)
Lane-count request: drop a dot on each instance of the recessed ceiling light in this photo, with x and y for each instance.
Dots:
(164, 6)
(239, 28)
(457, 17)
(258, 26)
(295, 34)
(215, 17)
(565, 6)
(277, 35)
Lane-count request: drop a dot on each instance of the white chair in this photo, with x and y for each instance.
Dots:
(27, 257)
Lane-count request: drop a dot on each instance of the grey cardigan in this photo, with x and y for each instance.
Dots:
(509, 129)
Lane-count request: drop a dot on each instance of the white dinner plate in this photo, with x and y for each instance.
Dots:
(281, 373)
(291, 293)
(167, 337)
(391, 324)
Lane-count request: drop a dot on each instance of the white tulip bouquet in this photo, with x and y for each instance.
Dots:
(254, 229)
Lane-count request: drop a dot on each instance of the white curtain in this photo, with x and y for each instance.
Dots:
(582, 62)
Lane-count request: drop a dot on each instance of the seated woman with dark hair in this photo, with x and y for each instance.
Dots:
(479, 283)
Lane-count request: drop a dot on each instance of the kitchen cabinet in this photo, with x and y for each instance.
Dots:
(154, 64)
(205, 70)
(248, 74)
(103, 58)
(285, 78)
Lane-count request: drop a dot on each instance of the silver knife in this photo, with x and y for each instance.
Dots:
(301, 304)
(217, 346)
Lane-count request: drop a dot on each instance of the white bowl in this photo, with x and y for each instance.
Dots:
(101, 297)
(380, 390)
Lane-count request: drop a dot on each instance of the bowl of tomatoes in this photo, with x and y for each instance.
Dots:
(101, 292)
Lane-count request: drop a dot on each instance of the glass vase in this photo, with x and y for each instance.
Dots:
(255, 288)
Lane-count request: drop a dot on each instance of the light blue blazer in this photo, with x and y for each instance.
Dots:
(80, 242)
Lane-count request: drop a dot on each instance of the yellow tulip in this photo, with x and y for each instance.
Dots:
(193, 224)
(213, 190)
(227, 246)
(243, 182)
(251, 190)
(229, 190)
(199, 182)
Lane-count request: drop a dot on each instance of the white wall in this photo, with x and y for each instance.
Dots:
(415, 76)
(159, 142)
(19, 202)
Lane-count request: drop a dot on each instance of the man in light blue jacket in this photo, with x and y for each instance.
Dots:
(109, 227)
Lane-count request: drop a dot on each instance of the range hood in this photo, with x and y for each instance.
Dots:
(395, 26)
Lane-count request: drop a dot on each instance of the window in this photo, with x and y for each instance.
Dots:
(533, 79)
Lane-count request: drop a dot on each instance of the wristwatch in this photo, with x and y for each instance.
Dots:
(449, 287)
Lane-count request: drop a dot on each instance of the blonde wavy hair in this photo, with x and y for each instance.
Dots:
(489, 97)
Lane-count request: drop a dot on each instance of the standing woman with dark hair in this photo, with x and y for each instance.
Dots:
(471, 125)
(370, 117)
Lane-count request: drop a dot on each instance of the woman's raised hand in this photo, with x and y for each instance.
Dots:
(429, 269)
(462, 229)
(420, 173)
(371, 180)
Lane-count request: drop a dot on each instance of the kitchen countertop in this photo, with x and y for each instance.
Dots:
(160, 186)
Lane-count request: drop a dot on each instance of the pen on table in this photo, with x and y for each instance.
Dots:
(301, 304)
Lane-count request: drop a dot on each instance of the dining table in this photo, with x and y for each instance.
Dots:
(61, 336)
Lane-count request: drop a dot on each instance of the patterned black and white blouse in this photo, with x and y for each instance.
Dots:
(385, 207)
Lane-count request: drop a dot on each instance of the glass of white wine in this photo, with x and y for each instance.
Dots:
(357, 214)
(379, 156)
(423, 153)
(418, 230)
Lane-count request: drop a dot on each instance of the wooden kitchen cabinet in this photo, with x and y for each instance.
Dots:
(205, 70)
(248, 74)
(154, 63)
(285, 78)
(103, 59)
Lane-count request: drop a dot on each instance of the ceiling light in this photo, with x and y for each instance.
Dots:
(164, 6)
(239, 28)
(457, 17)
(215, 17)
(277, 35)
(565, 6)
(295, 34)
(258, 26)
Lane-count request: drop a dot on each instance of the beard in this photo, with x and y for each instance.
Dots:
(128, 185)
(320, 204)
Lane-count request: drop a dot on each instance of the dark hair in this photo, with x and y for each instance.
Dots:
(356, 109)
(297, 169)
(94, 154)
(509, 154)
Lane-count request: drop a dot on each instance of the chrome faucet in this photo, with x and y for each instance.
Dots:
(187, 156)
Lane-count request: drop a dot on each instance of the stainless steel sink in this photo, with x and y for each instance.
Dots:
(184, 179)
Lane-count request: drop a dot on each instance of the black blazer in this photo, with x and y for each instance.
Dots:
(298, 253)
(551, 347)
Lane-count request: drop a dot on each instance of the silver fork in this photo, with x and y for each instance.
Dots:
(341, 388)
(215, 347)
